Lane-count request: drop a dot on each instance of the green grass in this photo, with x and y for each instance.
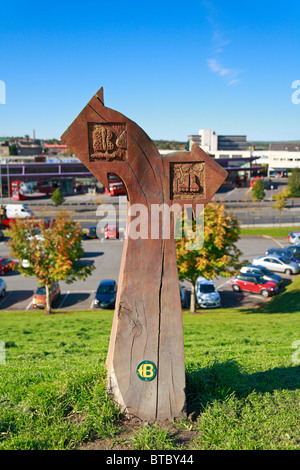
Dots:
(242, 385)
(280, 232)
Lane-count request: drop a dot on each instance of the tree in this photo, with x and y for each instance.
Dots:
(294, 182)
(53, 252)
(57, 197)
(13, 150)
(258, 190)
(280, 199)
(219, 255)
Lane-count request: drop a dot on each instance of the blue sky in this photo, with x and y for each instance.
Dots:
(172, 67)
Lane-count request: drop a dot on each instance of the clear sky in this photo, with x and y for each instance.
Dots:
(172, 67)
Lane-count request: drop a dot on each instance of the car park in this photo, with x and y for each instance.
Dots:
(106, 294)
(294, 237)
(39, 297)
(262, 271)
(277, 264)
(254, 283)
(283, 254)
(207, 294)
(111, 231)
(3, 287)
(7, 265)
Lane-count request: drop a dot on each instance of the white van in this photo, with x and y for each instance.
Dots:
(17, 211)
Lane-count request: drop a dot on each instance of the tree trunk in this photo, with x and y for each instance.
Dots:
(193, 300)
(48, 300)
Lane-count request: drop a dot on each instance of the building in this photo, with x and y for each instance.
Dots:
(221, 146)
(29, 147)
(56, 149)
(4, 149)
(283, 156)
(233, 152)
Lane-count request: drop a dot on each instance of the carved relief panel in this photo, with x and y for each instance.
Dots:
(187, 180)
(107, 141)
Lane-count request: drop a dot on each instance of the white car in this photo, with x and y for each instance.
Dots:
(3, 287)
(207, 295)
(294, 237)
(279, 264)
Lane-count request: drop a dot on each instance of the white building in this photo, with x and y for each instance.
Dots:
(284, 156)
(222, 146)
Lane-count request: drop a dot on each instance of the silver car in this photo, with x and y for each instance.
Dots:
(207, 295)
(277, 263)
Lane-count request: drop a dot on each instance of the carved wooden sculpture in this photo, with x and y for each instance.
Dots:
(145, 363)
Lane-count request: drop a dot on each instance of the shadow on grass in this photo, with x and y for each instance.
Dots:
(217, 382)
(285, 302)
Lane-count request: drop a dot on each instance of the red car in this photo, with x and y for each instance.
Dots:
(254, 283)
(111, 231)
(6, 265)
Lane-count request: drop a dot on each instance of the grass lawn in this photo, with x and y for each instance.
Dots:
(242, 374)
(281, 232)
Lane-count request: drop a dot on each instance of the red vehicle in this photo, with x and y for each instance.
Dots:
(254, 283)
(21, 190)
(115, 186)
(254, 179)
(6, 265)
(39, 297)
(111, 231)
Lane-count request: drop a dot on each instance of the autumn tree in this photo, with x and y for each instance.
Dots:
(258, 190)
(294, 182)
(219, 255)
(49, 253)
(280, 199)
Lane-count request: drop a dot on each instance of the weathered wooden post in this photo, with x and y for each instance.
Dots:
(145, 363)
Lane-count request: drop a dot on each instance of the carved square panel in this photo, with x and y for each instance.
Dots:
(187, 181)
(107, 141)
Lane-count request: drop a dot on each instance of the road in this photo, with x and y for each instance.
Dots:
(106, 256)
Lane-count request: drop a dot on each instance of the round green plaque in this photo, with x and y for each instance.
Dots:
(146, 370)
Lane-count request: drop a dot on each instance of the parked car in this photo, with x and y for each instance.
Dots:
(277, 264)
(3, 287)
(294, 249)
(254, 283)
(283, 254)
(6, 265)
(92, 232)
(39, 297)
(183, 297)
(111, 231)
(106, 294)
(207, 295)
(262, 271)
(1, 235)
(294, 237)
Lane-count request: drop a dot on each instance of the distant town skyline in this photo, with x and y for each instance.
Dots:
(173, 69)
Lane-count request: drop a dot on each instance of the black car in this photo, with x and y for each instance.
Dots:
(106, 294)
(283, 253)
(92, 232)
